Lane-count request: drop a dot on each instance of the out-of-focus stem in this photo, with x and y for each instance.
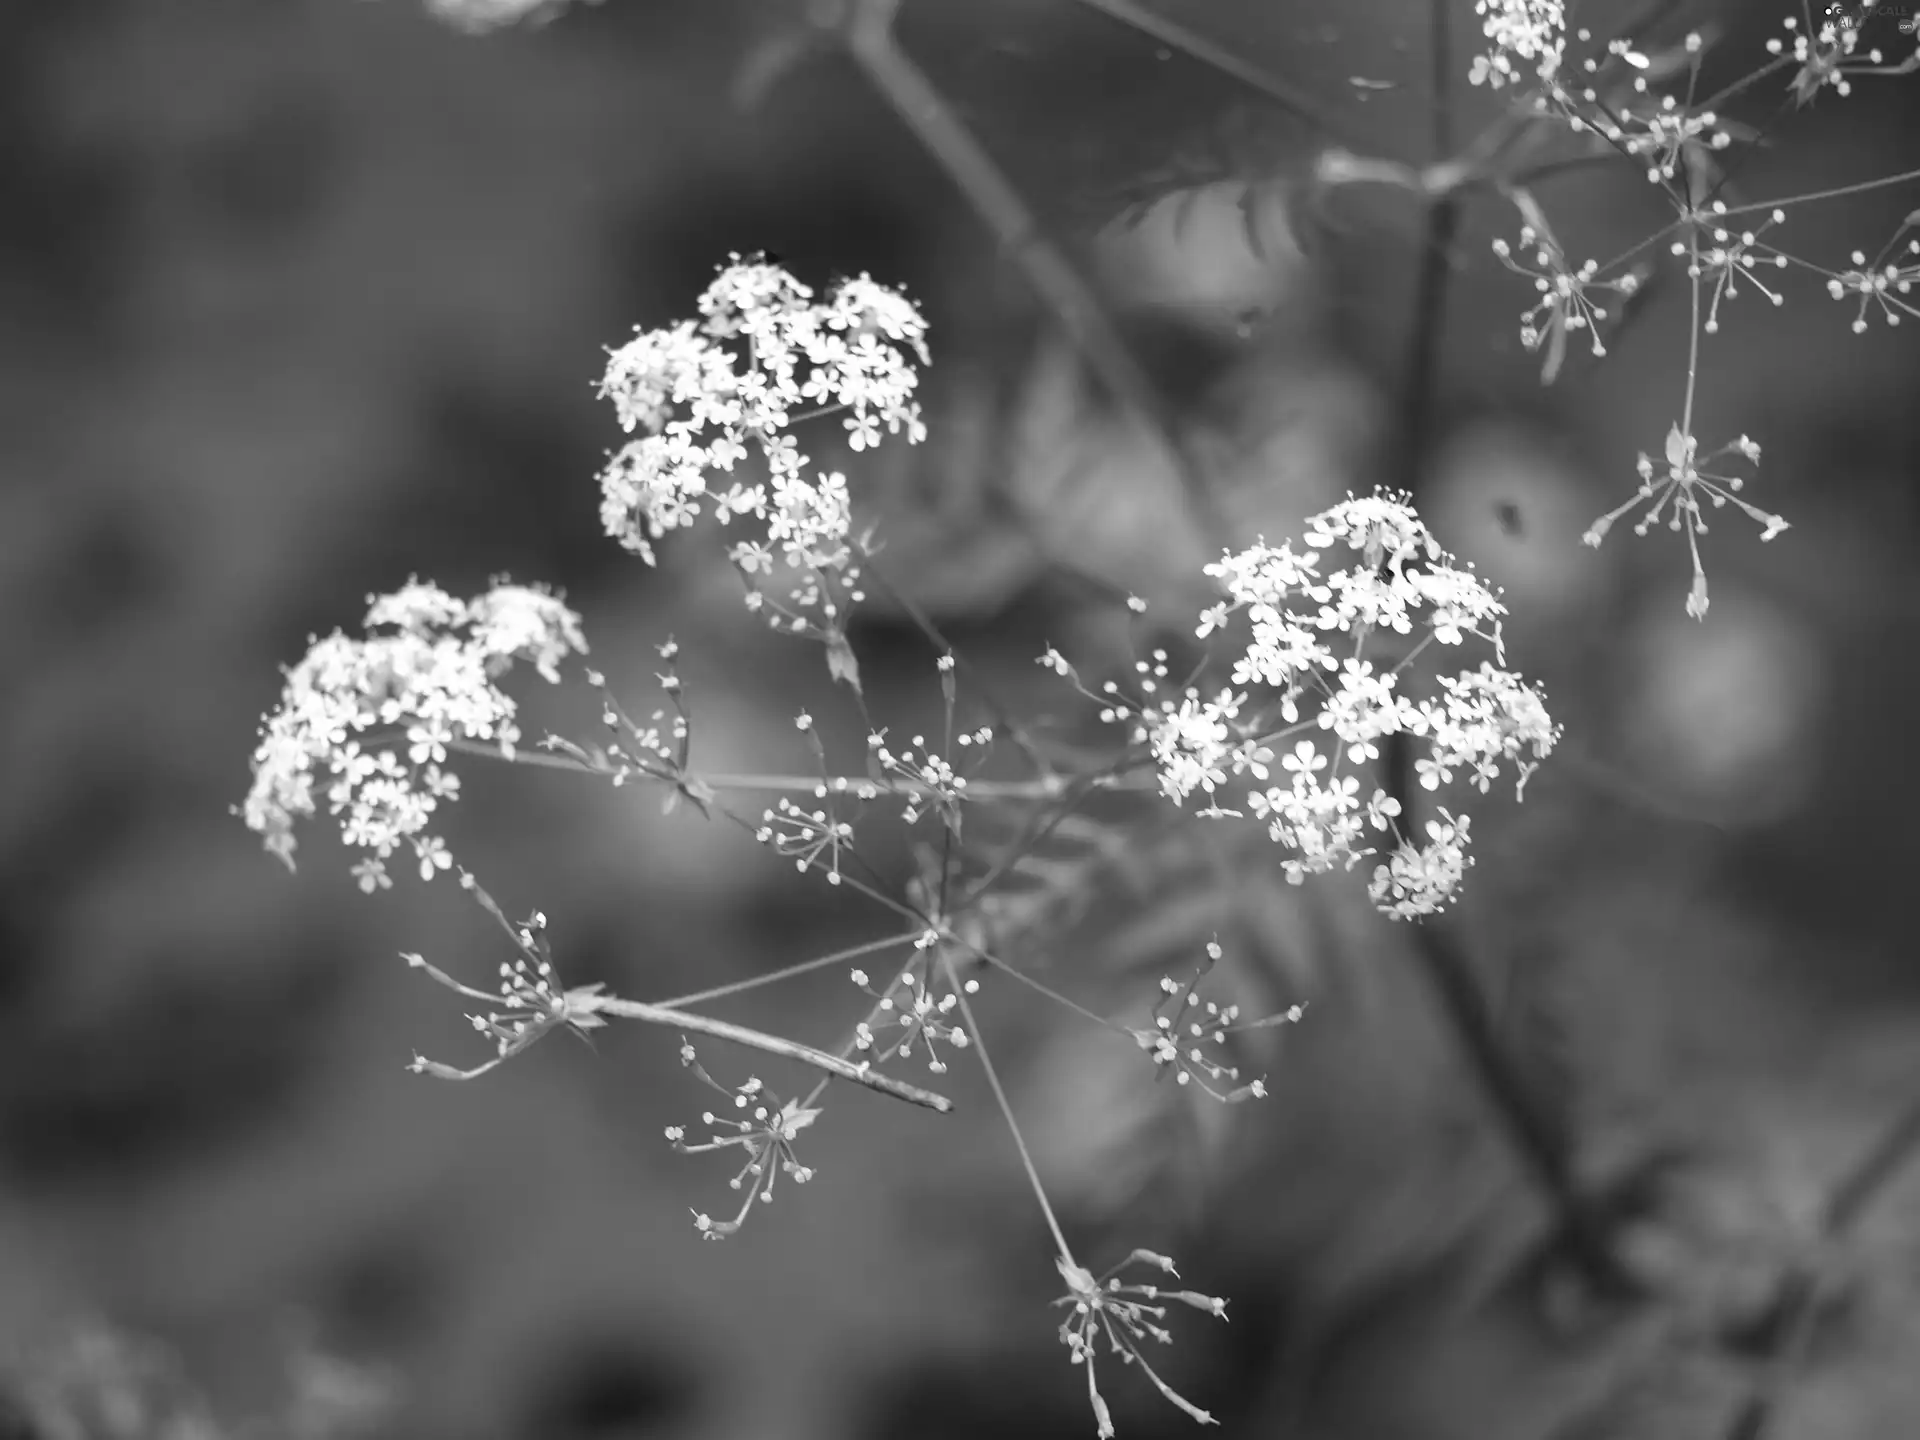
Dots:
(1541, 1147)
(1791, 1331)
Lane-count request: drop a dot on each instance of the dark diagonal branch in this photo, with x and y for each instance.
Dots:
(922, 109)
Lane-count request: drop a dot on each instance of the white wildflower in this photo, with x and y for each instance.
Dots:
(1527, 37)
(707, 395)
(372, 719)
(1398, 580)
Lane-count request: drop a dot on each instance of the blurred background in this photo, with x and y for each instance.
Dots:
(299, 298)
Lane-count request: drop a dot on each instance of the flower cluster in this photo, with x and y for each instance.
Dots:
(805, 836)
(764, 1128)
(1418, 879)
(1827, 56)
(1105, 1307)
(1684, 483)
(375, 717)
(1663, 133)
(529, 1002)
(1528, 37)
(1731, 258)
(929, 781)
(1195, 744)
(909, 1006)
(708, 393)
(1566, 300)
(1881, 283)
(1479, 720)
(1186, 1056)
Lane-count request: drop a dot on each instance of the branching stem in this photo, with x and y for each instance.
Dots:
(833, 1065)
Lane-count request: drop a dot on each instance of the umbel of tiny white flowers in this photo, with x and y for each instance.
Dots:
(1123, 1314)
(375, 717)
(1684, 482)
(765, 1128)
(709, 394)
(1526, 37)
(529, 1002)
(1399, 577)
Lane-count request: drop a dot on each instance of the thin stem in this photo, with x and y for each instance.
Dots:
(1006, 1108)
(1634, 249)
(1002, 713)
(521, 756)
(1043, 787)
(924, 112)
(1864, 185)
(1010, 970)
(787, 972)
(1217, 57)
(1693, 330)
(1720, 97)
(832, 1065)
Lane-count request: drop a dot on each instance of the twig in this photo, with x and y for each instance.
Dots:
(772, 1044)
(922, 109)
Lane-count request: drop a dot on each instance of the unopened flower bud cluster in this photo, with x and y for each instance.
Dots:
(1188, 1034)
(909, 1011)
(762, 1127)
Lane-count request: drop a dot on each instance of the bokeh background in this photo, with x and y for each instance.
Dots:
(301, 297)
